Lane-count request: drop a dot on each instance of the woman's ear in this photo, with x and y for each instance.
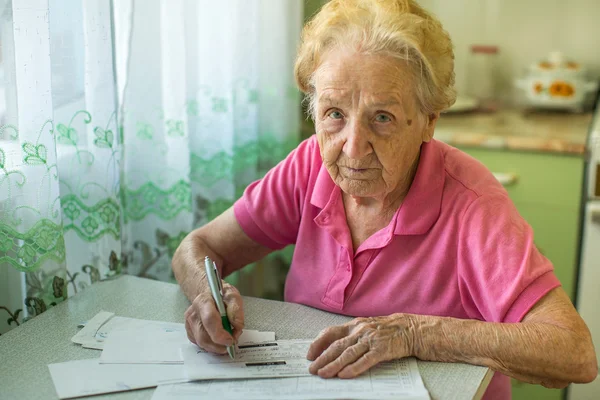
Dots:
(430, 126)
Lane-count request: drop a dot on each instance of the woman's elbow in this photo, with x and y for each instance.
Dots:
(588, 370)
(580, 366)
(178, 261)
(176, 264)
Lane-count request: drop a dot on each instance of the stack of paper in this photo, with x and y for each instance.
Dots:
(135, 354)
(140, 353)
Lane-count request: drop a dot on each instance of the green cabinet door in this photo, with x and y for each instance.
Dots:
(547, 193)
(525, 391)
(556, 231)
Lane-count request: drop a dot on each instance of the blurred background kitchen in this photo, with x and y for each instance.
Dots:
(126, 124)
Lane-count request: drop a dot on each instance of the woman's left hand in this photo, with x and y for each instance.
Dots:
(349, 350)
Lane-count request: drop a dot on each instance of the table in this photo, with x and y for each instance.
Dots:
(26, 350)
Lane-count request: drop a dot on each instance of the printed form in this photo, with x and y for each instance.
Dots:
(398, 379)
(252, 360)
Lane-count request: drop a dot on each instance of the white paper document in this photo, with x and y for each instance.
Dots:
(253, 360)
(397, 379)
(154, 344)
(88, 377)
(88, 333)
(252, 336)
(158, 344)
(94, 334)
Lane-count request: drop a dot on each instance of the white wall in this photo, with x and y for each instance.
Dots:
(524, 30)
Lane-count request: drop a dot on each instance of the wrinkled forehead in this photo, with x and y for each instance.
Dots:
(376, 78)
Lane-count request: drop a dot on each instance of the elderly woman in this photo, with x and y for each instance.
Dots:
(412, 236)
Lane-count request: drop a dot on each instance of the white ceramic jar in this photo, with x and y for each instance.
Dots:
(556, 83)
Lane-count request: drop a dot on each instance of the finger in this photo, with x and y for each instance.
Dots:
(189, 332)
(333, 351)
(348, 357)
(188, 316)
(203, 341)
(325, 339)
(198, 335)
(211, 321)
(368, 360)
(235, 309)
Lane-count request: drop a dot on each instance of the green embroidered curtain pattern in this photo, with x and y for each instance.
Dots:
(126, 124)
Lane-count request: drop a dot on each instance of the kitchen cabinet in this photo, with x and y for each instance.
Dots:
(311, 7)
(547, 192)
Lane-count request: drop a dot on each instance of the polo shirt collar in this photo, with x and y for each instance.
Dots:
(422, 205)
(323, 190)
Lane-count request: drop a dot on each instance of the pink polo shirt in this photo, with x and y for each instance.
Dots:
(456, 247)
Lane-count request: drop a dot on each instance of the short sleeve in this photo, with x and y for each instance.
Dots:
(270, 209)
(502, 274)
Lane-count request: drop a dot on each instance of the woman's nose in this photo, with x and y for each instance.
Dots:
(357, 145)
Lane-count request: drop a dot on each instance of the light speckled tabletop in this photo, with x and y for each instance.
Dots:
(26, 351)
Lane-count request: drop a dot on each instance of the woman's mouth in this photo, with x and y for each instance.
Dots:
(354, 171)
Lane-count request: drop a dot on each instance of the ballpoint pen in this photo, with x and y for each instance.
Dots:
(216, 288)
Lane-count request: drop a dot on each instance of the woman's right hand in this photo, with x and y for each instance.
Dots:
(203, 321)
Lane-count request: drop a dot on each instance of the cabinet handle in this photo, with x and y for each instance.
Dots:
(595, 216)
(506, 179)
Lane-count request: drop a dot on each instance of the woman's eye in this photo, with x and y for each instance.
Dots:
(335, 115)
(382, 118)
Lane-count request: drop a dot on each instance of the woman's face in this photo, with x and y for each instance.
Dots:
(368, 125)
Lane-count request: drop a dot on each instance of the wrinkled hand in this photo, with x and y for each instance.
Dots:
(203, 321)
(349, 350)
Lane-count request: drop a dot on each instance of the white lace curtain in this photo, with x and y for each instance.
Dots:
(126, 124)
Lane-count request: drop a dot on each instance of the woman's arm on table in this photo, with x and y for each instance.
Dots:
(552, 345)
(224, 241)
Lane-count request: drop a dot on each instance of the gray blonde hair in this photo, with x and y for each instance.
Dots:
(397, 28)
